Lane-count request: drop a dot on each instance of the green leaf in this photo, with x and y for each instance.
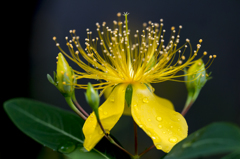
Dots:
(81, 152)
(48, 125)
(128, 94)
(50, 79)
(234, 155)
(216, 138)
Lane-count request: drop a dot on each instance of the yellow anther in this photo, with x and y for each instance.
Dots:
(119, 14)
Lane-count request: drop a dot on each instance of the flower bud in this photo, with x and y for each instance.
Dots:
(64, 79)
(196, 76)
(195, 79)
(92, 98)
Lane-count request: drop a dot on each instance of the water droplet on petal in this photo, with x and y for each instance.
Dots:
(148, 132)
(100, 132)
(105, 113)
(153, 137)
(149, 120)
(158, 146)
(159, 118)
(145, 100)
(159, 126)
(112, 99)
(67, 147)
(175, 117)
(173, 139)
(140, 126)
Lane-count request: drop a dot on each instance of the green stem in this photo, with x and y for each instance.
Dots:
(80, 108)
(70, 103)
(190, 100)
(78, 105)
(185, 110)
(100, 124)
(135, 138)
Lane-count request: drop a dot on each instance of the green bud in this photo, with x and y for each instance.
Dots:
(196, 76)
(64, 79)
(92, 98)
(195, 79)
(128, 95)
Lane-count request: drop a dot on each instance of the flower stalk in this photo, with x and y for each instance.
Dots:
(135, 138)
(70, 103)
(145, 151)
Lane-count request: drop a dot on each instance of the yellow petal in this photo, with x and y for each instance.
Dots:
(107, 92)
(127, 110)
(165, 126)
(109, 112)
(164, 102)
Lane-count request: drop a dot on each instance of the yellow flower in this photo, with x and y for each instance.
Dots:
(147, 59)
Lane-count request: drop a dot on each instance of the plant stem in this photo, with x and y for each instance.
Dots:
(70, 103)
(135, 137)
(146, 150)
(185, 110)
(80, 108)
(100, 124)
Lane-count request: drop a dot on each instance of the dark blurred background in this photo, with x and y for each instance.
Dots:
(30, 54)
